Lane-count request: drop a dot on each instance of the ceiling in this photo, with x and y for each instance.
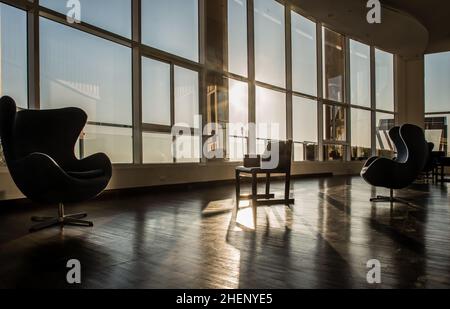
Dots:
(433, 14)
(409, 27)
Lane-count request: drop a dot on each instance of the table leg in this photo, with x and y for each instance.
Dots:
(238, 189)
(255, 197)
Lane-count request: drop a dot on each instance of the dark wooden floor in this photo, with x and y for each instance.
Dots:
(164, 240)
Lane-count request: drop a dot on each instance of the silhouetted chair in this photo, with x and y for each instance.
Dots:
(270, 164)
(39, 152)
(402, 171)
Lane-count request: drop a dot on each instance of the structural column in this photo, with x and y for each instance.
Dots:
(410, 90)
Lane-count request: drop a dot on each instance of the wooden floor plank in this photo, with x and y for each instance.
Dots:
(165, 240)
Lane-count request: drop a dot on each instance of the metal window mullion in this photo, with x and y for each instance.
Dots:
(172, 110)
(373, 98)
(85, 27)
(396, 101)
(348, 99)
(320, 79)
(251, 147)
(33, 53)
(203, 99)
(137, 82)
(288, 47)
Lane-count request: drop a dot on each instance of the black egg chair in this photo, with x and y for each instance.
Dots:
(39, 151)
(404, 169)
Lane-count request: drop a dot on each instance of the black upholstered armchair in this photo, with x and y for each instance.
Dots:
(39, 152)
(402, 171)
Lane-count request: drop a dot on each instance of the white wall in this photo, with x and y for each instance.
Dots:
(157, 175)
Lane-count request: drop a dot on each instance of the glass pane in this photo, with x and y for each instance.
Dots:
(157, 148)
(270, 114)
(304, 55)
(299, 152)
(237, 37)
(81, 70)
(261, 146)
(13, 52)
(385, 146)
(384, 80)
(437, 81)
(172, 26)
(333, 65)
(238, 120)
(305, 152)
(117, 143)
(305, 120)
(216, 115)
(155, 92)
(237, 148)
(115, 15)
(361, 134)
(186, 97)
(438, 132)
(187, 149)
(334, 153)
(270, 50)
(335, 123)
(238, 107)
(360, 74)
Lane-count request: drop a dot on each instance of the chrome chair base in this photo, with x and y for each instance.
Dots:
(62, 220)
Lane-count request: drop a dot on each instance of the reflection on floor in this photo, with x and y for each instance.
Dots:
(172, 240)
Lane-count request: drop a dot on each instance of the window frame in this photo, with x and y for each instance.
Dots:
(139, 50)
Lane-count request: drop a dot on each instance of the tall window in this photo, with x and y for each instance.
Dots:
(360, 74)
(156, 92)
(238, 119)
(270, 116)
(385, 122)
(172, 26)
(437, 100)
(333, 65)
(157, 148)
(13, 53)
(361, 134)
(335, 132)
(304, 55)
(186, 97)
(335, 123)
(81, 70)
(111, 15)
(334, 116)
(237, 37)
(270, 52)
(237, 77)
(305, 127)
(384, 80)
(186, 87)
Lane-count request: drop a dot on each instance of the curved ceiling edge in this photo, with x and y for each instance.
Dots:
(399, 32)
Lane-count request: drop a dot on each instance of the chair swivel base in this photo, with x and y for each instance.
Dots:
(391, 199)
(62, 220)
